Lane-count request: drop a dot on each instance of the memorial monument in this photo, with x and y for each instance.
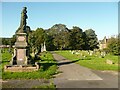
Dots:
(21, 49)
(21, 60)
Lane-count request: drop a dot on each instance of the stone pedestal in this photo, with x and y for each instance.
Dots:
(21, 50)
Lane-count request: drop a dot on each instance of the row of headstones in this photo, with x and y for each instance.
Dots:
(102, 54)
(88, 52)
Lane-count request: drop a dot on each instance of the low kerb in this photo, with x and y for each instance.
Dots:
(20, 68)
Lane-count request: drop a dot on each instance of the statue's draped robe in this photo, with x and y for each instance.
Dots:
(23, 22)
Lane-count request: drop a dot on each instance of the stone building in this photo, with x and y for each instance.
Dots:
(103, 43)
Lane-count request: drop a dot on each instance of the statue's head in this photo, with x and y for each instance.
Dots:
(24, 8)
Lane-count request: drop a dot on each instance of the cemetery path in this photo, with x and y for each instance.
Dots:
(75, 76)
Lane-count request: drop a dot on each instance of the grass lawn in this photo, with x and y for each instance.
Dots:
(47, 69)
(93, 62)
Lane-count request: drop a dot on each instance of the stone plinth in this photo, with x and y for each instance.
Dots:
(21, 54)
(20, 68)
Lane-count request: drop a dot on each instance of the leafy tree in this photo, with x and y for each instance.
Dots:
(6, 41)
(35, 39)
(61, 40)
(113, 46)
(76, 38)
(91, 39)
(13, 39)
(49, 42)
(59, 33)
(57, 28)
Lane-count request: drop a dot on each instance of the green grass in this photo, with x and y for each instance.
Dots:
(47, 69)
(93, 62)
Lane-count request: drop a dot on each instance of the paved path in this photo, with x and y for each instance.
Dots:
(76, 76)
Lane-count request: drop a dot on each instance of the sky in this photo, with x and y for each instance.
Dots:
(102, 17)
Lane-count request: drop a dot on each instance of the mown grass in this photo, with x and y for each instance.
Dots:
(47, 69)
(94, 62)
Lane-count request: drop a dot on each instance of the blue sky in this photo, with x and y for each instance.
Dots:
(99, 16)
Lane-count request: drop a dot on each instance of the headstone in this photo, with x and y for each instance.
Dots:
(77, 53)
(73, 52)
(91, 53)
(43, 47)
(109, 61)
(103, 54)
(81, 54)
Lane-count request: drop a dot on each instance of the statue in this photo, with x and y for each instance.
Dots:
(22, 28)
(21, 59)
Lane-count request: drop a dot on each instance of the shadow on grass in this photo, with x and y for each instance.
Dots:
(6, 61)
(45, 66)
(67, 62)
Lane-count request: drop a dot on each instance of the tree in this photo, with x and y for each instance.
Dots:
(113, 46)
(91, 40)
(59, 32)
(49, 42)
(6, 41)
(35, 39)
(76, 38)
(13, 39)
(61, 40)
(57, 28)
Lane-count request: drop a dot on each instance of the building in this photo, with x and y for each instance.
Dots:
(103, 43)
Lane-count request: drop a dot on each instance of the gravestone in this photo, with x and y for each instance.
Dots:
(91, 53)
(109, 61)
(43, 47)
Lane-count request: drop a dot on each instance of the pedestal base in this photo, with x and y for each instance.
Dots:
(21, 68)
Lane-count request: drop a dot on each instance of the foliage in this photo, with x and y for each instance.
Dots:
(6, 57)
(63, 38)
(59, 33)
(6, 41)
(35, 39)
(113, 45)
(93, 62)
(13, 39)
(49, 42)
(91, 39)
(76, 40)
(57, 28)
(59, 37)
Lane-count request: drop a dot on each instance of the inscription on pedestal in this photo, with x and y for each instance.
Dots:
(21, 55)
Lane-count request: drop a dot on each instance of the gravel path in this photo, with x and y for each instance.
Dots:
(76, 76)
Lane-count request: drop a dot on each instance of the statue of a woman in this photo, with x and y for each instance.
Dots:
(23, 22)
